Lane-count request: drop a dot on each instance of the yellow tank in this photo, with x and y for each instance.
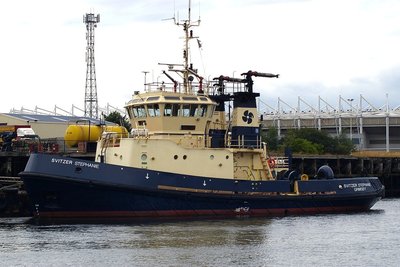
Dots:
(117, 129)
(85, 133)
(81, 133)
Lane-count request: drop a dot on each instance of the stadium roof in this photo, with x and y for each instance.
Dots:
(51, 118)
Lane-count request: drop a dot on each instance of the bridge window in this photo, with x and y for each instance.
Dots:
(189, 110)
(193, 109)
(153, 110)
(130, 113)
(185, 110)
(202, 112)
(171, 110)
(139, 112)
(172, 98)
(189, 98)
(153, 98)
(134, 112)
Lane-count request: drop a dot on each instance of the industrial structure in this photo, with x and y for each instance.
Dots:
(74, 111)
(370, 128)
(91, 103)
(46, 126)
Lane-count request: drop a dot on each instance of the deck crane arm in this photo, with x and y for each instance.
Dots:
(172, 79)
(249, 80)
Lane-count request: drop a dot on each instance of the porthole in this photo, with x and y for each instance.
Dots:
(176, 157)
(227, 157)
(143, 157)
(184, 157)
(212, 157)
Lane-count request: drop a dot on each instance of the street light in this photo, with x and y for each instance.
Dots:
(233, 84)
(351, 128)
(145, 76)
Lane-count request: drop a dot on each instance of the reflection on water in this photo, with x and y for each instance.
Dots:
(202, 233)
(363, 239)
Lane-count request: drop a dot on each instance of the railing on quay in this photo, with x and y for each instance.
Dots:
(10, 183)
(51, 146)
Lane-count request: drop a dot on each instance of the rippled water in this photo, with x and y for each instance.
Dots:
(361, 239)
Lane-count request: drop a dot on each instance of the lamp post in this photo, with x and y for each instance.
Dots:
(145, 76)
(351, 113)
(233, 84)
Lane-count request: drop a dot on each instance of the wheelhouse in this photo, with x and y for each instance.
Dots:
(170, 113)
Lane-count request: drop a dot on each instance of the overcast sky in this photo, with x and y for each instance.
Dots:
(320, 48)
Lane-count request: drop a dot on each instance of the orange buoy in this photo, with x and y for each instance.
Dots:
(271, 163)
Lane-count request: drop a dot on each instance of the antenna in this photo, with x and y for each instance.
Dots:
(187, 24)
(91, 104)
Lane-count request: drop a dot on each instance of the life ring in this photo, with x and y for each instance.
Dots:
(304, 177)
(271, 163)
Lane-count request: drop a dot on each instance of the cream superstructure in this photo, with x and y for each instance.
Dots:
(170, 134)
(182, 127)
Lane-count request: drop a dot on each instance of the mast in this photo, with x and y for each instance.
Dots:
(187, 25)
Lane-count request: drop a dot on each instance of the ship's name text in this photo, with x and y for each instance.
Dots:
(76, 163)
(358, 186)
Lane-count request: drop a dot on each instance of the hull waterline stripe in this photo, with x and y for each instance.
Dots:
(181, 213)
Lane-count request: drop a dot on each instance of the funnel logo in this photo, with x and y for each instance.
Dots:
(247, 117)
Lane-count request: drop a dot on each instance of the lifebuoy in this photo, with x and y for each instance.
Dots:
(271, 163)
(304, 177)
(54, 148)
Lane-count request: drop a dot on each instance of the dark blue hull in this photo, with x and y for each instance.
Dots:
(70, 188)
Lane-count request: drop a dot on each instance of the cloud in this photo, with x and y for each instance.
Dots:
(325, 48)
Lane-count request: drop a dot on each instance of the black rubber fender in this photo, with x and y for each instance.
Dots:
(283, 175)
(294, 175)
(325, 172)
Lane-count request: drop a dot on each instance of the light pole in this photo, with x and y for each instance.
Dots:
(351, 113)
(145, 76)
(233, 84)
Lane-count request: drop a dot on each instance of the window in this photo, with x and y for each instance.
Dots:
(172, 98)
(193, 109)
(203, 110)
(130, 113)
(185, 110)
(153, 110)
(167, 110)
(171, 110)
(139, 112)
(188, 127)
(190, 98)
(135, 113)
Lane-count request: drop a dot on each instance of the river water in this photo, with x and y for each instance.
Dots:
(359, 239)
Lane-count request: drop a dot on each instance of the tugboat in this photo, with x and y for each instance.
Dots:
(187, 156)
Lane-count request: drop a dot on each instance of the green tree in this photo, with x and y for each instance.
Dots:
(316, 137)
(271, 138)
(116, 117)
(296, 140)
(313, 141)
(343, 145)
